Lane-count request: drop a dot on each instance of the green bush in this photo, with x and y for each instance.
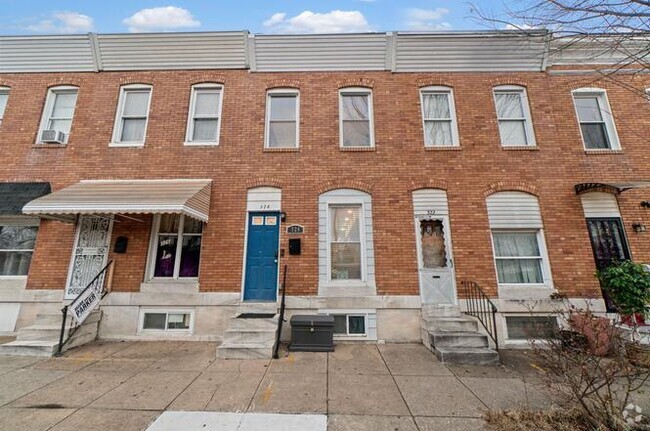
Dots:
(628, 284)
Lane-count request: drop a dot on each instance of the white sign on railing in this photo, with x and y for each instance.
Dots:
(85, 303)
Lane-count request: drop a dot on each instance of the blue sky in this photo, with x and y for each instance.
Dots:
(258, 16)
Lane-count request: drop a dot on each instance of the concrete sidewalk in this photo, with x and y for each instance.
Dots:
(126, 385)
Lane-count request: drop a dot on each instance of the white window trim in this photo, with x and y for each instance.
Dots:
(267, 123)
(153, 250)
(342, 201)
(23, 222)
(190, 116)
(647, 95)
(520, 342)
(439, 89)
(606, 114)
(4, 90)
(167, 311)
(117, 127)
(528, 118)
(357, 91)
(547, 281)
(49, 107)
(371, 332)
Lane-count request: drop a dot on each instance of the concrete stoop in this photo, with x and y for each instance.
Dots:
(455, 338)
(250, 337)
(42, 338)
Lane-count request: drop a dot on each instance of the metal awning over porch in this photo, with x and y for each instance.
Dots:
(182, 196)
(615, 188)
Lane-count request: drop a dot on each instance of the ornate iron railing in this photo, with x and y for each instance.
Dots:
(479, 305)
(101, 283)
(281, 320)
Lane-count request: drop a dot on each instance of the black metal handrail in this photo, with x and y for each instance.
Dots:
(99, 278)
(479, 305)
(281, 320)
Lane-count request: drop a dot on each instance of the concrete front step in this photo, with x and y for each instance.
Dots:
(40, 332)
(263, 324)
(233, 336)
(244, 351)
(458, 339)
(467, 356)
(440, 311)
(452, 324)
(29, 348)
(258, 307)
(48, 319)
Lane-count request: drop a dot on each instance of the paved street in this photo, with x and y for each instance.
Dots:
(127, 385)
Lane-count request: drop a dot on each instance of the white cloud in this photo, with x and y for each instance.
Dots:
(336, 21)
(63, 22)
(160, 18)
(519, 27)
(426, 19)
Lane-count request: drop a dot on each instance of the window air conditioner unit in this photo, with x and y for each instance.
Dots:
(53, 137)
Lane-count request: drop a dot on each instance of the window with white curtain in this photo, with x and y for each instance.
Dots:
(59, 109)
(132, 115)
(518, 257)
(596, 121)
(16, 249)
(355, 118)
(439, 117)
(4, 98)
(282, 118)
(204, 118)
(513, 115)
(345, 242)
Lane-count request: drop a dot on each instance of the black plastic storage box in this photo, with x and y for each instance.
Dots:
(312, 333)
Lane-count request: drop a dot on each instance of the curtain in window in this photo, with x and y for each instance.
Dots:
(282, 121)
(62, 111)
(518, 258)
(16, 249)
(437, 119)
(206, 115)
(134, 116)
(346, 243)
(512, 122)
(4, 97)
(356, 120)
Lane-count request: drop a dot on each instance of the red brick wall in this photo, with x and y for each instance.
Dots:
(398, 165)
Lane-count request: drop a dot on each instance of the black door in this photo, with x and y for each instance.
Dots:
(608, 244)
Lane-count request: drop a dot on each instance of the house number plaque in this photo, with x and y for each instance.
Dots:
(295, 229)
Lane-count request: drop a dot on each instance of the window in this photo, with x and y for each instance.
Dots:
(439, 117)
(16, 249)
(4, 97)
(513, 115)
(132, 115)
(355, 114)
(282, 119)
(596, 120)
(59, 110)
(203, 123)
(176, 247)
(348, 324)
(179, 321)
(518, 257)
(345, 242)
(522, 328)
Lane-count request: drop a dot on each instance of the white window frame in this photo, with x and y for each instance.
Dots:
(647, 96)
(357, 91)
(280, 92)
(117, 127)
(153, 251)
(606, 114)
(439, 89)
(367, 314)
(543, 254)
(527, 118)
(334, 202)
(167, 311)
(4, 91)
(197, 88)
(19, 222)
(52, 92)
(524, 342)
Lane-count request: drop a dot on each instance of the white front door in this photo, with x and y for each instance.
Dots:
(90, 253)
(436, 265)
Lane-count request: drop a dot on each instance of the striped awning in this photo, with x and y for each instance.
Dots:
(188, 197)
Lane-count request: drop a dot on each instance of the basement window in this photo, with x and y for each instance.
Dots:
(173, 321)
(523, 328)
(348, 324)
(353, 324)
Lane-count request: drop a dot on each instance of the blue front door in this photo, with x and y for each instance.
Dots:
(262, 256)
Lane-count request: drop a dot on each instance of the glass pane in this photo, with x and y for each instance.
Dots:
(191, 225)
(346, 261)
(190, 256)
(60, 125)
(607, 241)
(356, 134)
(509, 105)
(283, 108)
(513, 133)
(356, 325)
(136, 103)
(516, 244)
(438, 133)
(165, 256)
(519, 271)
(206, 103)
(282, 134)
(64, 105)
(15, 262)
(531, 327)
(432, 240)
(154, 321)
(436, 106)
(588, 109)
(205, 129)
(595, 135)
(178, 321)
(17, 237)
(133, 130)
(339, 324)
(170, 223)
(345, 224)
(4, 97)
(354, 107)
